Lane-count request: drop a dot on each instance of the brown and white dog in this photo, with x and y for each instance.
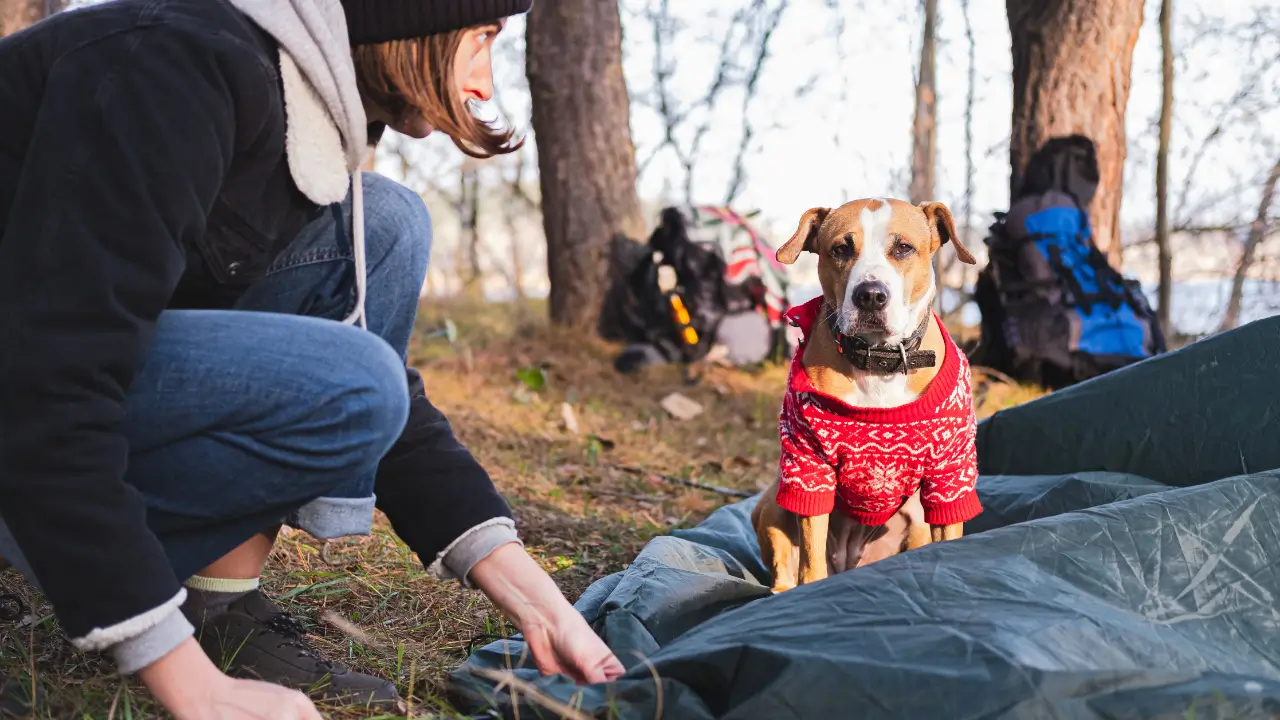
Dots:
(876, 272)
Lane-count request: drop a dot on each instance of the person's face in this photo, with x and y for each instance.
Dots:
(472, 76)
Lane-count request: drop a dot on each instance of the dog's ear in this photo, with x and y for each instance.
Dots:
(804, 236)
(944, 229)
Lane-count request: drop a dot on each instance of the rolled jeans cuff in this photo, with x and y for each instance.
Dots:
(326, 518)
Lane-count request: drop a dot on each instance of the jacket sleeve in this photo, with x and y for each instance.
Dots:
(133, 137)
(439, 499)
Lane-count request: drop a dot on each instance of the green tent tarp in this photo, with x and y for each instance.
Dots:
(1125, 567)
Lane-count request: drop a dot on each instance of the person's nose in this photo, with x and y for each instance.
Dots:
(480, 83)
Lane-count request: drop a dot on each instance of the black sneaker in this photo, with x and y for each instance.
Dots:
(255, 639)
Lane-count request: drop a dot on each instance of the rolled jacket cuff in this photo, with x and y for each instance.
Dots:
(456, 561)
(153, 643)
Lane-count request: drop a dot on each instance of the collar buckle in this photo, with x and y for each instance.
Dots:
(885, 359)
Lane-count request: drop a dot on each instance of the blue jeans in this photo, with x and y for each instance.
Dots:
(276, 412)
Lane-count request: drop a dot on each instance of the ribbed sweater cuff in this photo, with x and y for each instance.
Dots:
(806, 503)
(962, 509)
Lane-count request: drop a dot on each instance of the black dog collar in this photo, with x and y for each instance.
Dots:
(885, 359)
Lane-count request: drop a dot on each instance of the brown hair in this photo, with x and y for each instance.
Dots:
(418, 74)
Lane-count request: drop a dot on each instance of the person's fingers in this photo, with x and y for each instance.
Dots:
(613, 668)
(604, 669)
(595, 674)
(591, 657)
(545, 655)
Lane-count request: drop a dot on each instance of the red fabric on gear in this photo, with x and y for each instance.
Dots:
(867, 461)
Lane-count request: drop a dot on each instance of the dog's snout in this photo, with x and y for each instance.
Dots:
(871, 296)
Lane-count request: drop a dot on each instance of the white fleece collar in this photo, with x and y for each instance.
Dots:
(312, 141)
(313, 34)
(326, 136)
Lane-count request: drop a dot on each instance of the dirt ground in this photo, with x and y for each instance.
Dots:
(585, 501)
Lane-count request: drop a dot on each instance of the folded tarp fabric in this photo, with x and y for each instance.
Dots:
(1091, 588)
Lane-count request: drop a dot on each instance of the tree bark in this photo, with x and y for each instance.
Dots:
(469, 222)
(971, 91)
(1164, 251)
(586, 158)
(1071, 72)
(924, 131)
(16, 15)
(1258, 231)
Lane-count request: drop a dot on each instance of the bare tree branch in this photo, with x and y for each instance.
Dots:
(1258, 230)
(747, 33)
(762, 53)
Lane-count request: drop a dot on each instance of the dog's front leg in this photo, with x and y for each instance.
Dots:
(954, 531)
(813, 548)
(918, 533)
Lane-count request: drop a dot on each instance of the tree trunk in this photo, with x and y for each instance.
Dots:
(924, 130)
(1258, 231)
(1165, 293)
(587, 161)
(966, 212)
(469, 220)
(971, 90)
(1071, 73)
(18, 14)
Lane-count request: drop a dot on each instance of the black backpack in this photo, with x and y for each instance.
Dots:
(1054, 311)
(651, 315)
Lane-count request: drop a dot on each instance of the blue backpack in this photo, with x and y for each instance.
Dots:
(1054, 311)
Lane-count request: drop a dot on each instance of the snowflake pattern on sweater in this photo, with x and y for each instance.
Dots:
(867, 461)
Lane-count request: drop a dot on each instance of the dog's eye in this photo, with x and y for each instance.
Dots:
(841, 251)
(902, 249)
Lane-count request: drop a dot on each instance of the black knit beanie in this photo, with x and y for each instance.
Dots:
(378, 21)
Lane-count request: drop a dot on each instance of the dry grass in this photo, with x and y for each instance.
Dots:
(582, 507)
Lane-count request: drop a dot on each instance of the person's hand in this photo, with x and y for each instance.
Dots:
(559, 637)
(191, 687)
(565, 643)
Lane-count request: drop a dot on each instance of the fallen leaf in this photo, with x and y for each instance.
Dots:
(532, 377)
(681, 407)
(569, 419)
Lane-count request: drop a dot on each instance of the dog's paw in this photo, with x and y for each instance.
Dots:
(780, 588)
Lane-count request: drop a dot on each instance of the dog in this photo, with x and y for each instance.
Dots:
(877, 427)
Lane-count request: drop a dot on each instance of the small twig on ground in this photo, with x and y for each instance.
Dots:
(983, 370)
(351, 630)
(687, 483)
(656, 497)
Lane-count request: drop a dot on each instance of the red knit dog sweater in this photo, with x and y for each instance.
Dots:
(868, 461)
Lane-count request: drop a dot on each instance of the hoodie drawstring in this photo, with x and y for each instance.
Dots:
(357, 316)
